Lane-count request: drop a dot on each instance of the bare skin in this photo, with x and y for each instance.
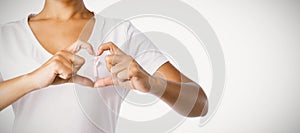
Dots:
(66, 19)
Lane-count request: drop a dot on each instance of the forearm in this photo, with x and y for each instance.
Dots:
(13, 89)
(183, 95)
(186, 98)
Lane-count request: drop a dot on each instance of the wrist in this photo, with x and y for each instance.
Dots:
(157, 86)
(30, 82)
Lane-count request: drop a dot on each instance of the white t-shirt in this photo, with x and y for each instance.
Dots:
(71, 108)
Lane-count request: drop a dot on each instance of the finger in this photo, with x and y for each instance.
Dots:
(102, 82)
(63, 60)
(86, 46)
(59, 80)
(74, 79)
(78, 45)
(117, 68)
(73, 48)
(108, 60)
(109, 46)
(123, 75)
(82, 81)
(112, 60)
(76, 60)
(62, 71)
(134, 70)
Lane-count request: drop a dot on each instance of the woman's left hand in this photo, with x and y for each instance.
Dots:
(182, 94)
(126, 72)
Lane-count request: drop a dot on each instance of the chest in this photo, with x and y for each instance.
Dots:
(55, 36)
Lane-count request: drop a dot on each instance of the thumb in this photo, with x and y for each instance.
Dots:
(102, 82)
(82, 80)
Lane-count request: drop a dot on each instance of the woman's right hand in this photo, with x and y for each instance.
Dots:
(62, 68)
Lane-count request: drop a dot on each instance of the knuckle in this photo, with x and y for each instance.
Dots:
(134, 71)
(111, 43)
(56, 65)
(113, 70)
(100, 47)
(64, 51)
(133, 64)
(56, 57)
(109, 68)
(129, 59)
(107, 58)
(60, 52)
(81, 59)
(56, 62)
(69, 73)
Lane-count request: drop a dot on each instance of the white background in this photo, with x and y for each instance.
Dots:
(261, 43)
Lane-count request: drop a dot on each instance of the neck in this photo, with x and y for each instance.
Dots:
(64, 10)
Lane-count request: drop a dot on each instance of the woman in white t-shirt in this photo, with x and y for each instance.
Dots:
(40, 65)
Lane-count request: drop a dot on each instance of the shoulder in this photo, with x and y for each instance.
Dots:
(12, 28)
(11, 32)
(112, 21)
(13, 25)
(113, 24)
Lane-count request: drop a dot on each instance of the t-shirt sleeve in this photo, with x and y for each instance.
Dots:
(1, 79)
(142, 49)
